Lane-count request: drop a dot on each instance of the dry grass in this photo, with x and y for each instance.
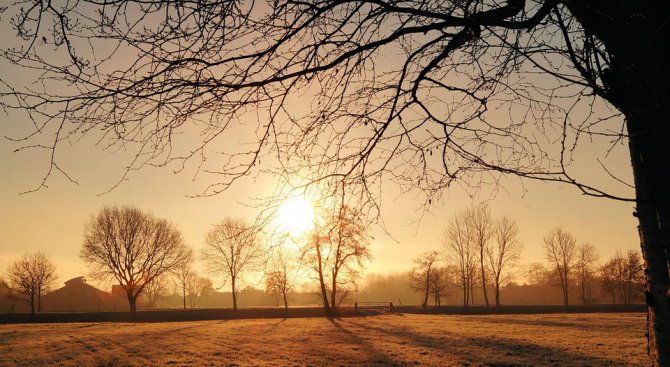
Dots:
(394, 340)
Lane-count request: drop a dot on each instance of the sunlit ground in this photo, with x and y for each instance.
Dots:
(393, 340)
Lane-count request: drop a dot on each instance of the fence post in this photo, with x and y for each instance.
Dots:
(390, 306)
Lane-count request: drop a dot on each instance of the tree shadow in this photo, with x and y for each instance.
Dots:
(507, 352)
(375, 356)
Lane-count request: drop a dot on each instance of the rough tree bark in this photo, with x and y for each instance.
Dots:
(638, 85)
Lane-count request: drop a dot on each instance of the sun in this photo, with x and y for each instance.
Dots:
(296, 216)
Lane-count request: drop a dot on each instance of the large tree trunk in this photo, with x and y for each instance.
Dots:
(637, 82)
(232, 281)
(426, 292)
(322, 283)
(333, 292)
(652, 212)
(565, 290)
(132, 301)
(183, 293)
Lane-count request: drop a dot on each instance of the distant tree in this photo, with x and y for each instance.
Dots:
(585, 268)
(30, 277)
(197, 287)
(421, 276)
(622, 277)
(560, 248)
(481, 228)
(439, 282)
(612, 275)
(131, 247)
(537, 274)
(634, 276)
(182, 276)
(278, 280)
(337, 249)
(232, 249)
(459, 249)
(503, 253)
(349, 243)
(155, 289)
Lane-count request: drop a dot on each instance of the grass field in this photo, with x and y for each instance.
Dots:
(385, 340)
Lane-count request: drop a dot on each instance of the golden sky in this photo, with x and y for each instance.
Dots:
(52, 219)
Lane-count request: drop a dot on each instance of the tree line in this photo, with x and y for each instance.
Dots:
(482, 253)
(147, 256)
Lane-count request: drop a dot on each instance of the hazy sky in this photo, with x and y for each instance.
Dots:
(52, 219)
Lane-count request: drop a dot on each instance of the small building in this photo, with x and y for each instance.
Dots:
(77, 295)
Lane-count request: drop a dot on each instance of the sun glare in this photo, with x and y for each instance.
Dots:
(296, 216)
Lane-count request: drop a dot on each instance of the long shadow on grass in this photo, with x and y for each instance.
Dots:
(584, 324)
(197, 325)
(507, 352)
(374, 355)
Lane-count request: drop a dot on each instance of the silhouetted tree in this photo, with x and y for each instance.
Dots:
(585, 267)
(197, 287)
(131, 247)
(612, 275)
(231, 249)
(460, 250)
(622, 277)
(538, 276)
(555, 67)
(279, 280)
(30, 277)
(337, 250)
(421, 276)
(560, 248)
(503, 254)
(439, 282)
(481, 228)
(349, 243)
(183, 274)
(155, 289)
(634, 276)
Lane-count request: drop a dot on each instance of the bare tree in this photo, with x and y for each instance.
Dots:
(481, 227)
(537, 276)
(422, 275)
(459, 249)
(131, 247)
(560, 249)
(279, 279)
(197, 287)
(232, 249)
(612, 277)
(503, 254)
(337, 250)
(598, 68)
(348, 249)
(622, 277)
(585, 267)
(157, 288)
(634, 276)
(182, 276)
(439, 282)
(31, 276)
